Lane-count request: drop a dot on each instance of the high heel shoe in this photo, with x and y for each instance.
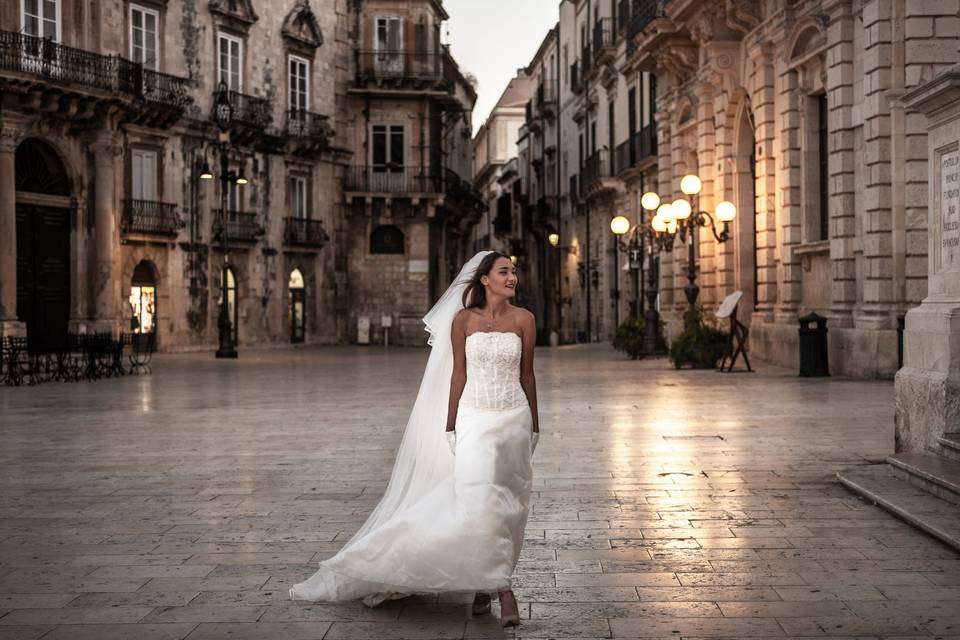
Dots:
(481, 604)
(512, 619)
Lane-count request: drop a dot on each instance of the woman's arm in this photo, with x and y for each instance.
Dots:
(458, 379)
(527, 380)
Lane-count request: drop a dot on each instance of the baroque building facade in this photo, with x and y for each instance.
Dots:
(117, 118)
(791, 110)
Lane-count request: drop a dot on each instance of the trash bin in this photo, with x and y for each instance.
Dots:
(813, 346)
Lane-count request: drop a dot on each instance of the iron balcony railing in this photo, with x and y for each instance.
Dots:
(391, 179)
(150, 217)
(604, 36)
(545, 212)
(241, 227)
(643, 13)
(574, 182)
(597, 166)
(586, 62)
(249, 111)
(643, 143)
(306, 124)
(399, 64)
(546, 94)
(301, 232)
(59, 63)
(624, 157)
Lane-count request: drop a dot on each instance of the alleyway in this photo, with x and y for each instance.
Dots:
(668, 504)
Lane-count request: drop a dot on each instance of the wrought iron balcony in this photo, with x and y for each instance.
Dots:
(623, 14)
(241, 227)
(57, 63)
(547, 96)
(586, 63)
(597, 166)
(644, 143)
(624, 156)
(644, 12)
(248, 111)
(398, 67)
(150, 217)
(462, 191)
(604, 40)
(390, 179)
(544, 213)
(306, 124)
(301, 232)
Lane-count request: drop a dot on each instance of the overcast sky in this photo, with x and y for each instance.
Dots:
(493, 38)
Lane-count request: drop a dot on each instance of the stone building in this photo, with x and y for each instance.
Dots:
(114, 212)
(791, 110)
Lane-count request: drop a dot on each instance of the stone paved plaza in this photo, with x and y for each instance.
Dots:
(667, 504)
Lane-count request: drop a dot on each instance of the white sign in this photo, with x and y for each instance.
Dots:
(418, 266)
(729, 304)
(950, 209)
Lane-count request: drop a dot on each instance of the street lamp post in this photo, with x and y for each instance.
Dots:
(637, 233)
(223, 113)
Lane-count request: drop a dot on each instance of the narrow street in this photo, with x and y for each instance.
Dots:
(668, 503)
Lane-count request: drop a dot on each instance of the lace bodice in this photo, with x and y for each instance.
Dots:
(493, 371)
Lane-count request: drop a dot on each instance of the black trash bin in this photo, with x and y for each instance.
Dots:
(813, 346)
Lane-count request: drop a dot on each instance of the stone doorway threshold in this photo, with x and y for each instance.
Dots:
(919, 487)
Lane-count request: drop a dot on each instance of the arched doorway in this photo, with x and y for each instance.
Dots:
(231, 304)
(43, 244)
(298, 299)
(143, 298)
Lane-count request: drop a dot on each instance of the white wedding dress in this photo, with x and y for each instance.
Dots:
(465, 533)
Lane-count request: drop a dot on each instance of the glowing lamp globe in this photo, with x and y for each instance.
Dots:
(672, 226)
(650, 201)
(620, 225)
(658, 224)
(553, 239)
(665, 213)
(681, 209)
(690, 184)
(726, 211)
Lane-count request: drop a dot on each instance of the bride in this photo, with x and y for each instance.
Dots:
(454, 523)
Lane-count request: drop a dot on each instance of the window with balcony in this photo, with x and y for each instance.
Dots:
(297, 189)
(40, 18)
(234, 195)
(143, 175)
(230, 60)
(144, 36)
(387, 151)
(298, 83)
(388, 45)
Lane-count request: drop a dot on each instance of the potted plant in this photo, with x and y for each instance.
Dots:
(700, 345)
(629, 337)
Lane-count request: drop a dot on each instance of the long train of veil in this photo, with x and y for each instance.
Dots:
(423, 459)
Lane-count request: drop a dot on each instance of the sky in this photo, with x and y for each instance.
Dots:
(493, 38)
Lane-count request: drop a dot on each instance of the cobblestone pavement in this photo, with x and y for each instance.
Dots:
(668, 504)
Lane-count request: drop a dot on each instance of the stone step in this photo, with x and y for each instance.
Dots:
(932, 473)
(880, 485)
(950, 446)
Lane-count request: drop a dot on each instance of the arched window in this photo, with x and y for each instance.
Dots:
(387, 239)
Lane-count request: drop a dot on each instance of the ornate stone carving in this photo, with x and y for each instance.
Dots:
(236, 13)
(301, 28)
(9, 139)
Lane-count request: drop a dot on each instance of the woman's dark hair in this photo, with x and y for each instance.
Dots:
(475, 295)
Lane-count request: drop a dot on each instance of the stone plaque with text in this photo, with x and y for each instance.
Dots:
(950, 209)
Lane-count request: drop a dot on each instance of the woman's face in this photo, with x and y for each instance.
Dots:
(502, 279)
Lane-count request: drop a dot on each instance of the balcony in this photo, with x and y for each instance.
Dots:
(390, 179)
(544, 214)
(301, 232)
(597, 167)
(308, 132)
(604, 41)
(640, 146)
(586, 63)
(241, 227)
(397, 70)
(623, 15)
(644, 12)
(248, 112)
(149, 217)
(547, 97)
(152, 98)
(575, 85)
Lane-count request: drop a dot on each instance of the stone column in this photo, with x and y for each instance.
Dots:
(928, 385)
(9, 325)
(707, 247)
(106, 280)
(764, 114)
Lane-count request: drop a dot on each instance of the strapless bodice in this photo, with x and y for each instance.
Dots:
(493, 371)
